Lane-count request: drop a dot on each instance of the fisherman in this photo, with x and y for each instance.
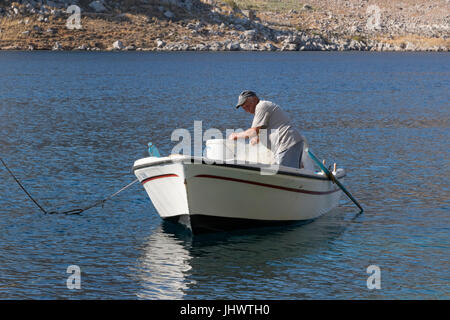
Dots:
(284, 140)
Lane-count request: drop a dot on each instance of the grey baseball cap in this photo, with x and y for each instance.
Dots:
(243, 97)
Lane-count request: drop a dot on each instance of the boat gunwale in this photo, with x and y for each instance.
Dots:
(235, 166)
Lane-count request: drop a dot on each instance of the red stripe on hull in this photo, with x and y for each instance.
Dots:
(266, 185)
(158, 177)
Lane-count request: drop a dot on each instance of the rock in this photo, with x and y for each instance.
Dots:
(280, 38)
(44, 10)
(97, 6)
(169, 47)
(249, 46)
(160, 43)
(52, 4)
(26, 33)
(270, 47)
(240, 23)
(294, 39)
(234, 34)
(186, 4)
(13, 47)
(233, 46)
(169, 14)
(250, 14)
(130, 48)
(182, 47)
(215, 46)
(248, 35)
(266, 33)
(201, 47)
(57, 46)
(55, 13)
(216, 33)
(395, 48)
(239, 27)
(30, 4)
(118, 45)
(319, 46)
(311, 45)
(410, 46)
(290, 47)
(354, 45)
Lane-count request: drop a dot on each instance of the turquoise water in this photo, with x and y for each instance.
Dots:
(72, 124)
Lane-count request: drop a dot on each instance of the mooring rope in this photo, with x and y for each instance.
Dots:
(68, 212)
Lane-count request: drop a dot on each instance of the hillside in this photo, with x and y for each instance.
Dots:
(228, 25)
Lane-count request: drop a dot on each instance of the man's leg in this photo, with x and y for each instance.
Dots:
(291, 157)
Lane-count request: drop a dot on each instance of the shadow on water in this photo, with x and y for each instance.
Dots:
(175, 264)
(218, 238)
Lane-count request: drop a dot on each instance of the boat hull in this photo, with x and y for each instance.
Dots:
(209, 197)
(200, 224)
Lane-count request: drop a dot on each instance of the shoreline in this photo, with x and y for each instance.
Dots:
(219, 51)
(212, 26)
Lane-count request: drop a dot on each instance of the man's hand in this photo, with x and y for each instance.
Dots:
(252, 132)
(254, 140)
(233, 136)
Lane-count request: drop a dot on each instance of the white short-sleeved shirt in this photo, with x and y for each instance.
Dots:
(281, 134)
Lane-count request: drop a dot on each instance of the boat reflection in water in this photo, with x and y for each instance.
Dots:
(163, 267)
(237, 265)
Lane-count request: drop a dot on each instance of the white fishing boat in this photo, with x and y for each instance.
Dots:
(234, 188)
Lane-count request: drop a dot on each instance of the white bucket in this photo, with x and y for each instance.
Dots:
(220, 149)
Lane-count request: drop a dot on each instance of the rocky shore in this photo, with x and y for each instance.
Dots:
(209, 25)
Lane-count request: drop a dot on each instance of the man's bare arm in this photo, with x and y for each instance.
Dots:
(249, 133)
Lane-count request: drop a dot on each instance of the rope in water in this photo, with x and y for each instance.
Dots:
(68, 212)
